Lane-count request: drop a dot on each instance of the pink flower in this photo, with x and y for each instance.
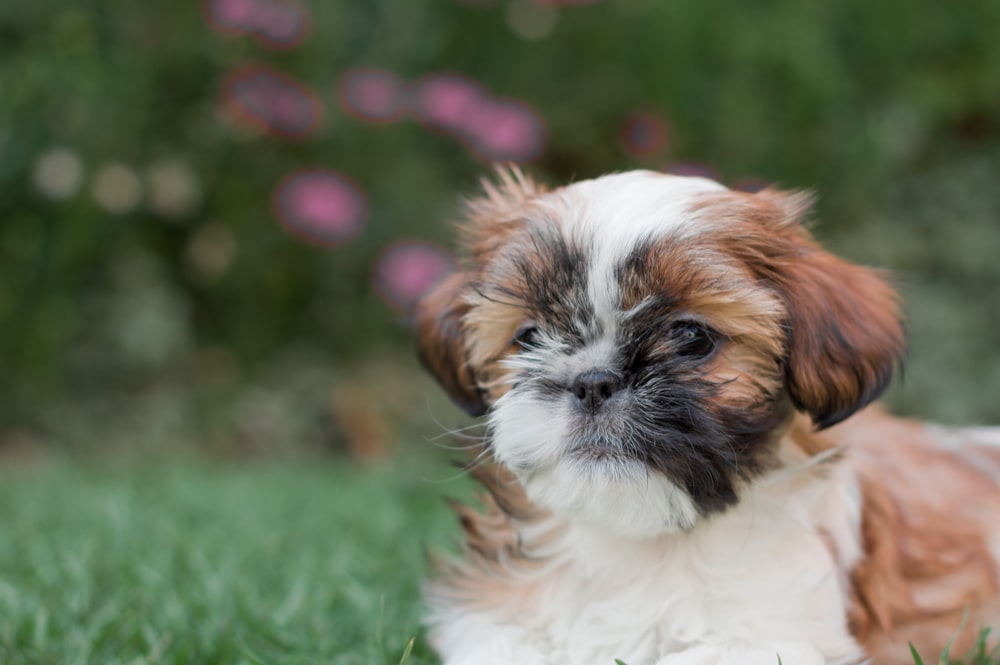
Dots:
(406, 270)
(278, 25)
(507, 130)
(374, 95)
(492, 128)
(449, 101)
(272, 101)
(320, 206)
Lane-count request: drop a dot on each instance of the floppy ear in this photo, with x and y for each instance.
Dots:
(844, 331)
(441, 342)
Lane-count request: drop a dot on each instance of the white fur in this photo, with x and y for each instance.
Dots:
(614, 213)
(529, 438)
(742, 588)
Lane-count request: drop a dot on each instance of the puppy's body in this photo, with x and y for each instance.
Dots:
(829, 560)
(655, 355)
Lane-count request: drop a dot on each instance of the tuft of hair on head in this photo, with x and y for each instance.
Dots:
(489, 217)
(441, 314)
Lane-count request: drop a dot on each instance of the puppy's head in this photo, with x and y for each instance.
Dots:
(640, 341)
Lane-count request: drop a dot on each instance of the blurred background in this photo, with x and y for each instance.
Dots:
(215, 217)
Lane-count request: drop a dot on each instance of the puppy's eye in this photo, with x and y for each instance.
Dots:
(526, 336)
(693, 340)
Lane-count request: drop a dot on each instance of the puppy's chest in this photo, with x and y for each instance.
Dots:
(608, 600)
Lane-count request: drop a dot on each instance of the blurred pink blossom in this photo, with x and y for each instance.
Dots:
(272, 101)
(507, 130)
(492, 128)
(406, 270)
(449, 102)
(693, 169)
(320, 206)
(275, 24)
(644, 134)
(374, 95)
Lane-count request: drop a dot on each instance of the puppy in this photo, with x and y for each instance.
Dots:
(675, 378)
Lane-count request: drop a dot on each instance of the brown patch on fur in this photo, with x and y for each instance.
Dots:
(843, 330)
(926, 518)
(441, 341)
(710, 286)
(744, 375)
(466, 371)
(494, 547)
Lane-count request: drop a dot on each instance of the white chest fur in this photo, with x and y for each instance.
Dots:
(764, 580)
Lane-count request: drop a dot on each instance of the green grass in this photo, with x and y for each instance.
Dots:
(981, 653)
(201, 563)
(214, 564)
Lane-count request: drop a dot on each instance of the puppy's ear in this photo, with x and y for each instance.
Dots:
(844, 331)
(441, 341)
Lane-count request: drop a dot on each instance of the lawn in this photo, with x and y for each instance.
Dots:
(198, 562)
(207, 563)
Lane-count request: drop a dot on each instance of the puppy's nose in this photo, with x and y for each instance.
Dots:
(594, 387)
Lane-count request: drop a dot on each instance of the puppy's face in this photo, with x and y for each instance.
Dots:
(641, 341)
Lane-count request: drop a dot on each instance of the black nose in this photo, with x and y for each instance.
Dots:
(594, 387)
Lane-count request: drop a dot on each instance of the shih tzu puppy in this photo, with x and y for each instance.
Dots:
(675, 378)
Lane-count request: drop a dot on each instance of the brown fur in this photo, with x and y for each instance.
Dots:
(927, 515)
(844, 327)
(466, 371)
(441, 342)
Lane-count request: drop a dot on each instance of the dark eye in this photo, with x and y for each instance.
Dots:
(526, 336)
(693, 340)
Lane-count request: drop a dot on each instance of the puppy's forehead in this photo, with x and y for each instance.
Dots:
(614, 215)
(621, 209)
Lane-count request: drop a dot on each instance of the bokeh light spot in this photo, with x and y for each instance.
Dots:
(406, 270)
(57, 173)
(210, 252)
(374, 95)
(173, 188)
(531, 20)
(116, 188)
(320, 206)
(644, 134)
(272, 102)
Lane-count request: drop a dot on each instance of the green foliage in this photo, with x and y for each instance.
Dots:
(888, 109)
